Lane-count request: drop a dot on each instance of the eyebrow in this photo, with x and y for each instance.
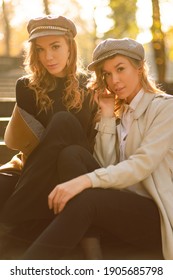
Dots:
(116, 66)
(49, 44)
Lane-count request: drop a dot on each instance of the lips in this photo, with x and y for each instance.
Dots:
(51, 66)
(119, 89)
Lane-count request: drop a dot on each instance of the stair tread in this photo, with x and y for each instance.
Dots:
(4, 119)
(7, 99)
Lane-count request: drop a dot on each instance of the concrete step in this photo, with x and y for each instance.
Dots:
(7, 91)
(6, 106)
(7, 87)
(3, 124)
(7, 94)
(11, 82)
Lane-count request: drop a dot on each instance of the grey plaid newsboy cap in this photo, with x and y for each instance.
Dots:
(50, 25)
(110, 47)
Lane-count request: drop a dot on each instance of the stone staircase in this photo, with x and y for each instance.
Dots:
(7, 101)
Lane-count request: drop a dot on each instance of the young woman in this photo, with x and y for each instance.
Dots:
(130, 191)
(51, 96)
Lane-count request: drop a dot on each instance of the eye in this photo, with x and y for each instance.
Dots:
(55, 47)
(38, 49)
(120, 69)
(106, 75)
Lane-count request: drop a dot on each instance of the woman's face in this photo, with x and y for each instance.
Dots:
(53, 53)
(121, 77)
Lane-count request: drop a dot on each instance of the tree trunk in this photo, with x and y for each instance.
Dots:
(158, 42)
(46, 7)
(6, 29)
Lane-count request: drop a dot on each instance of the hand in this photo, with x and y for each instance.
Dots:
(62, 193)
(106, 102)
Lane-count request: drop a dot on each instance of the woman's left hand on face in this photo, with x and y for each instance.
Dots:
(106, 104)
(62, 193)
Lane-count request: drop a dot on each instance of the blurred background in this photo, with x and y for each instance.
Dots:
(149, 21)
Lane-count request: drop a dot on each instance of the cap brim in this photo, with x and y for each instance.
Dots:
(92, 65)
(45, 33)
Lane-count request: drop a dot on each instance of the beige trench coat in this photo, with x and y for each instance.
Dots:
(149, 153)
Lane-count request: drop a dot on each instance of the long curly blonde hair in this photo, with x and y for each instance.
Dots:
(98, 84)
(42, 82)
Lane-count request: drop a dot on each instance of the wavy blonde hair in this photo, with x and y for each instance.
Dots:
(42, 82)
(98, 84)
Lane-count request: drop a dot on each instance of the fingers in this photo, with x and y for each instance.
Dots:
(108, 95)
(51, 198)
(57, 200)
(59, 207)
(62, 193)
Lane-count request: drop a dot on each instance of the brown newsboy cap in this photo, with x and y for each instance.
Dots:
(50, 25)
(110, 47)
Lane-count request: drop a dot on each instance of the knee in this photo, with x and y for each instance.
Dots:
(70, 164)
(70, 153)
(62, 118)
(64, 123)
(85, 201)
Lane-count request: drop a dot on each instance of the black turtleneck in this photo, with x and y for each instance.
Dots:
(25, 98)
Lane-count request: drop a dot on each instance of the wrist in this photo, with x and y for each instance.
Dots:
(86, 181)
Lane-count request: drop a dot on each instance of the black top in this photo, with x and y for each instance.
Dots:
(26, 100)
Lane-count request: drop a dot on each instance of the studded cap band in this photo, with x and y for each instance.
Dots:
(49, 27)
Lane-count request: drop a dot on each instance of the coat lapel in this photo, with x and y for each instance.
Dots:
(134, 137)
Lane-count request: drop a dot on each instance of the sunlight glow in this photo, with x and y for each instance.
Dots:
(144, 18)
(166, 14)
(26, 10)
(99, 10)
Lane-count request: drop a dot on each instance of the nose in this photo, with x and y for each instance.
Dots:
(48, 55)
(115, 78)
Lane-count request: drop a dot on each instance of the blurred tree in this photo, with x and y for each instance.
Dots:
(46, 7)
(7, 33)
(169, 37)
(158, 42)
(7, 13)
(124, 16)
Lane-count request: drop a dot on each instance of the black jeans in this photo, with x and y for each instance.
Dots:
(42, 172)
(126, 215)
(8, 182)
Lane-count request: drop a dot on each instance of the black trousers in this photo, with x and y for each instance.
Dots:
(8, 182)
(127, 216)
(28, 204)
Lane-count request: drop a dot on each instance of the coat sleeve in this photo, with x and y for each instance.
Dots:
(104, 149)
(156, 143)
(23, 131)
